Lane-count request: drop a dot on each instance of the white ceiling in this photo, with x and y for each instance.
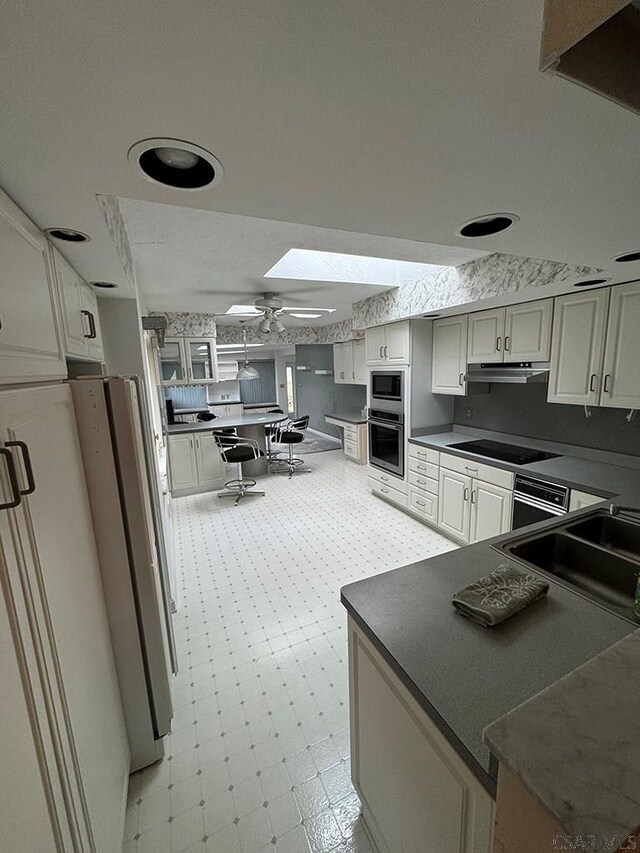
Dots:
(397, 119)
(196, 260)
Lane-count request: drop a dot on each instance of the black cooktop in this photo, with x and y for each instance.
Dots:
(504, 452)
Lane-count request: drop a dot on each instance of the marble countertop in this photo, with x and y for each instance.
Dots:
(230, 421)
(347, 417)
(576, 745)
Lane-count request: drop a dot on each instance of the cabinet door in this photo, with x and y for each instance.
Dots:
(577, 343)
(338, 363)
(397, 343)
(491, 510)
(94, 339)
(31, 346)
(74, 325)
(359, 362)
(621, 384)
(182, 462)
(172, 362)
(527, 331)
(375, 341)
(62, 620)
(201, 359)
(208, 462)
(347, 356)
(454, 504)
(486, 336)
(449, 356)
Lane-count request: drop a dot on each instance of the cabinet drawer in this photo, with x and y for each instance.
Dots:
(424, 454)
(387, 479)
(424, 505)
(350, 429)
(425, 469)
(496, 476)
(420, 481)
(388, 492)
(351, 449)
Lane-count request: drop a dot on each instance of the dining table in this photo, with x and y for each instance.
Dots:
(246, 426)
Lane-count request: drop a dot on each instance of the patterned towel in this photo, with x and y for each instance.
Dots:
(498, 596)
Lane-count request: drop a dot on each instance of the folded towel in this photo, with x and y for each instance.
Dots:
(496, 597)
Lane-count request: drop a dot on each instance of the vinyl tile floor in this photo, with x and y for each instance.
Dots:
(258, 758)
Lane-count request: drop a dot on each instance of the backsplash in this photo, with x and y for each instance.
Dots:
(523, 410)
(187, 396)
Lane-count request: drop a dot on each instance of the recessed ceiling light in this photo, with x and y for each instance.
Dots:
(69, 235)
(628, 257)
(306, 316)
(177, 164)
(588, 282)
(485, 226)
(105, 285)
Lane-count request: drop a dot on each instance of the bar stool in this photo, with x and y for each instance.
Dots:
(270, 430)
(291, 434)
(234, 449)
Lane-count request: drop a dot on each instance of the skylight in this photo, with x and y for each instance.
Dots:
(309, 265)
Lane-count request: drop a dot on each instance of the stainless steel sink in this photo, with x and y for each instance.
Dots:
(598, 556)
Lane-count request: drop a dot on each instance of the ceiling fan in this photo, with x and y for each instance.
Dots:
(270, 307)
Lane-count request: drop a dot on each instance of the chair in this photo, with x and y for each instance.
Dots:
(290, 434)
(269, 431)
(236, 449)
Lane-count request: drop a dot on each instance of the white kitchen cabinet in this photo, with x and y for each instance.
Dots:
(66, 697)
(416, 792)
(173, 368)
(454, 504)
(375, 341)
(581, 500)
(31, 345)
(195, 464)
(189, 361)
(577, 345)
(449, 355)
(621, 369)
(79, 313)
(486, 336)
(227, 371)
(527, 331)
(339, 375)
(389, 345)
(491, 511)
(516, 333)
(359, 362)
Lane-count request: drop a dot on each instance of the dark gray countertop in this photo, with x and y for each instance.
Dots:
(463, 675)
(229, 421)
(347, 417)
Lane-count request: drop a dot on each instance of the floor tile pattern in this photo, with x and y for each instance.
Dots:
(258, 759)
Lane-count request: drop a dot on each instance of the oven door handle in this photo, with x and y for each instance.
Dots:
(542, 505)
(396, 427)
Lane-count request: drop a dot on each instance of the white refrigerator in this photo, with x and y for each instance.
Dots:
(123, 484)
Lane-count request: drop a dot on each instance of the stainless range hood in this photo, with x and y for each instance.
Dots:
(514, 373)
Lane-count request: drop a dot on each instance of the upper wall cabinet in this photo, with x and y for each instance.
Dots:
(389, 345)
(577, 345)
(79, 313)
(516, 333)
(188, 361)
(30, 343)
(449, 355)
(349, 363)
(621, 370)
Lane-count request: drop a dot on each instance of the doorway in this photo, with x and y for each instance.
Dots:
(291, 387)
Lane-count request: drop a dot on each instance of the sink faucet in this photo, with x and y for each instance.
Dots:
(615, 509)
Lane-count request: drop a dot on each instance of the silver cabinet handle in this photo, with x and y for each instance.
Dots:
(498, 344)
(421, 503)
(16, 497)
(382, 477)
(605, 387)
(353, 374)
(468, 469)
(473, 496)
(381, 356)
(466, 493)
(421, 482)
(92, 324)
(28, 468)
(386, 352)
(386, 491)
(592, 380)
(506, 343)
(460, 378)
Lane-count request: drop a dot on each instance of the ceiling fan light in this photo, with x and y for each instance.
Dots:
(265, 326)
(277, 326)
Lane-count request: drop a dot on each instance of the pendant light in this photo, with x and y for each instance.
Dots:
(246, 372)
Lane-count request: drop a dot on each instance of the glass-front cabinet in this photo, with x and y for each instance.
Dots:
(188, 361)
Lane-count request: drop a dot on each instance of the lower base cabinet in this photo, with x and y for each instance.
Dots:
(416, 792)
(195, 464)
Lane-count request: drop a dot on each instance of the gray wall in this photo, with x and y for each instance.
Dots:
(523, 410)
(317, 395)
